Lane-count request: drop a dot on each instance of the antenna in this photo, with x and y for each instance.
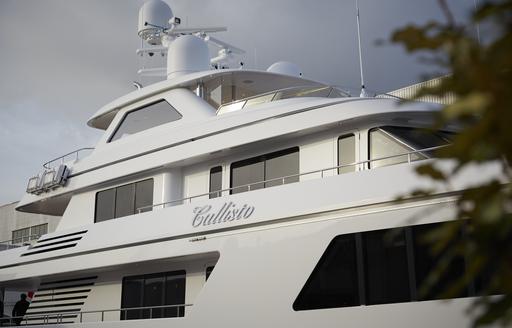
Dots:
(363, 91)
(186, 48)
(477, 24)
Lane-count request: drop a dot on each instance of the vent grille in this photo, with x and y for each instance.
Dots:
(55, 243)
(59, 301)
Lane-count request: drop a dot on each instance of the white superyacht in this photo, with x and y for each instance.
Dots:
(238, 198)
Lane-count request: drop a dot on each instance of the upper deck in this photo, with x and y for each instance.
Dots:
(214, 111)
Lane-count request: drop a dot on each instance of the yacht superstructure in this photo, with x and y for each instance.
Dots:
(233, 197)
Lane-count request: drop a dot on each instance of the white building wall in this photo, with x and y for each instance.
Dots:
(11, 220)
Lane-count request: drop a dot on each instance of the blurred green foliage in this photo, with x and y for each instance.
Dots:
(480, 78)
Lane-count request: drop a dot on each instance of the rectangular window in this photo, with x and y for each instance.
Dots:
(175, 294)
(124, 200)
(280, 165)
(38, 230)
(246, 174)
(21, 236)
(346, 153)
(215, 182)
(425, 262)
(105, 205)
(143, 195)
(386, 267)
(249, 174)
(152, 293)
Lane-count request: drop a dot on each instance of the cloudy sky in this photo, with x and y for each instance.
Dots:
(61, 60)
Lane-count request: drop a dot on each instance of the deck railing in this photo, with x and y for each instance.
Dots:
(151, 312)
(357, 166)
(18, 242)
(74, 155)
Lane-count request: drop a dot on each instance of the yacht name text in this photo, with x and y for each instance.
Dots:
(206, 215)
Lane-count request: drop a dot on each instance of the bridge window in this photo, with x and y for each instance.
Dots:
(144, 118)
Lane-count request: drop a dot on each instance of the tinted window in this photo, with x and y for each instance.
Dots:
(209, 271)
(334, 281)
(151, 291)
(396, 263)
(426, 261)
(131, 297)
(124, 200)
(143, 195)
(282, 165)
(346, 153)
(175, 294)
(145, 118)
(270, 166)
(105, 205)
(215, 181)
(153, 296)
(386, 269)
(247, 172)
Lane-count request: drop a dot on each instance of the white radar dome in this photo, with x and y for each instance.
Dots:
(285, 68)
(187, 54)
(154, 15)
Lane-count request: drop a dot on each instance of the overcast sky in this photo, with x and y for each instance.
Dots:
(61, 60)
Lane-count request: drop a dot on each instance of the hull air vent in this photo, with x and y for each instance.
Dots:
(59, 301)
(55, 243)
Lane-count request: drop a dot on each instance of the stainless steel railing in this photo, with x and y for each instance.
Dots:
(358, 166)
(151, 312)
(74, 155)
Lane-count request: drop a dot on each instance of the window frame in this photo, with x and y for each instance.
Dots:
(411, 234)
(261, 158)
(134, 199)
(215, 193)
(34, 236)
(20, 238)
(123, 118)
(356, 136)
(149, 276)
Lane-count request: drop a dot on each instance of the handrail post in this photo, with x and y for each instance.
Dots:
(81, 317)
(409, 158)
(102, 315)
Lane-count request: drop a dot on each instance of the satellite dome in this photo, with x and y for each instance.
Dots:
(286, 68)
(187, 54)
(154, 15)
